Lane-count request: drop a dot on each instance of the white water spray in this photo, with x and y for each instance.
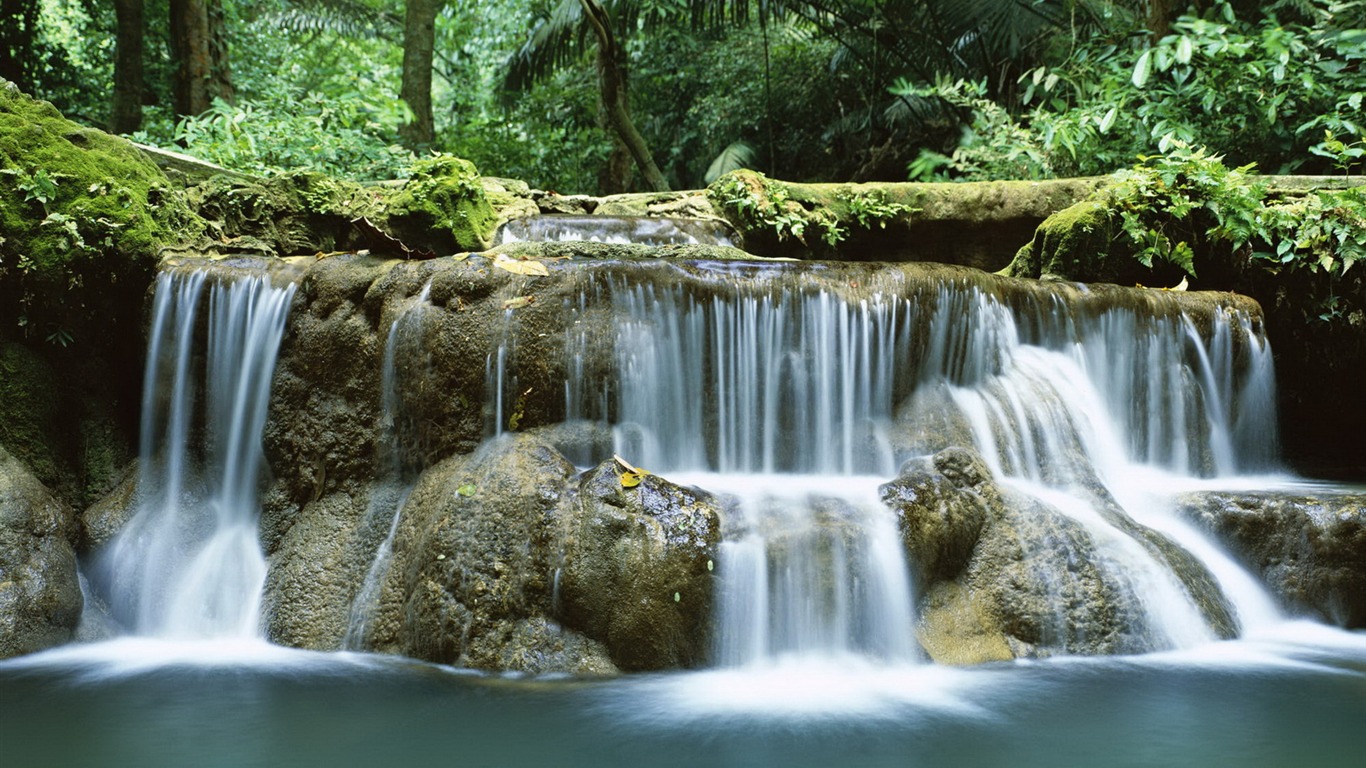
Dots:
(188, 564)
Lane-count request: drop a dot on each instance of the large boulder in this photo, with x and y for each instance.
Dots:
(40, 592)
(470, 582)
(1310, 549)
(1002, 574)
(635, 565)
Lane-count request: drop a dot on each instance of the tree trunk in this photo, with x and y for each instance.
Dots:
(612, 82)
(1160, 15)
(126, 115)
(419, 42)
(19, 42)
(199, 50)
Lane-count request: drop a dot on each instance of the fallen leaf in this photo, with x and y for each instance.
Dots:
(467, 489)
(518, 267)
(519, 302)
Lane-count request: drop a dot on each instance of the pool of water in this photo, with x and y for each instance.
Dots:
(1295, 696)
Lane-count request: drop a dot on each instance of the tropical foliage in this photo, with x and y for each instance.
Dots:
(832, 90)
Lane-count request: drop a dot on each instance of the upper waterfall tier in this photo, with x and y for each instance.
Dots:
(772, 367)
(615, 229)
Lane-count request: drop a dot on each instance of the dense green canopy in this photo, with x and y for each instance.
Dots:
(587, 95)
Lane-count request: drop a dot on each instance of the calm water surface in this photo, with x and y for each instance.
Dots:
(1293, 697)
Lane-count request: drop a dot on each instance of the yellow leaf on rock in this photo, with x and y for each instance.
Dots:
(519, 302)
(518, 267)
(632, 479)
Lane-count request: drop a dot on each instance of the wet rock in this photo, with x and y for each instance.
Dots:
(40, 594)
(317, 568)
(102, 521)
(1003, 574)
(635, 568)
(1310, 549)
(941, 503)
(470, 561)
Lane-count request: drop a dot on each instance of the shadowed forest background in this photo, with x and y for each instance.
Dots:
(603, 96)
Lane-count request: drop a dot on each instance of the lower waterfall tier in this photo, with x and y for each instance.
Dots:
(441, 479)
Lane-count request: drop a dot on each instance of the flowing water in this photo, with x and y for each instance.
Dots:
(789, 397)
(188, 563)
(784, 395)
(406, 335)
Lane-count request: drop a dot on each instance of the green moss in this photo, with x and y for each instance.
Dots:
(852, 221)
(79, 210)
(300, 212)
(1075, 243)
(444, 204)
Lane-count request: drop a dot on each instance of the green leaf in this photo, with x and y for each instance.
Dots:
(1108, 120)
(1184, 49)
(1142, 69)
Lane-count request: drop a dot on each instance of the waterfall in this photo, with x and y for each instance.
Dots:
(780, 401)
(392, 490)
(782, 393)
(188, 564)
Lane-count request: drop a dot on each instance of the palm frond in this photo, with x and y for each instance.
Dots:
(345, 18)
(737, 155)
(555, 41)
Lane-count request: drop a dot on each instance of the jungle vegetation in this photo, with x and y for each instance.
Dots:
(603, 96)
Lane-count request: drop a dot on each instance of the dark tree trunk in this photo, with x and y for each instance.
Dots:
(615, 176)
(419, 42)
(126, 115)
(199, 51)
(19, 42)
(612, 81)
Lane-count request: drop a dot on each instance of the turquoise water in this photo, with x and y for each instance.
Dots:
(1292, 697)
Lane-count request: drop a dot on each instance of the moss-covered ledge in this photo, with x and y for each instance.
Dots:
(977, 224)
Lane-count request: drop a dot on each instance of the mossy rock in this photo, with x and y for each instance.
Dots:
(298, 212)
(976, 224)
(444, 204)
(82, 213)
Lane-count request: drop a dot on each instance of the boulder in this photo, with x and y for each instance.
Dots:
(1309, 548)
(635, 567)
(1002, 574)
(40, 592)
(470, 570)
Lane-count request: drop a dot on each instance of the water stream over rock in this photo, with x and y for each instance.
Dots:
(189, 563)
(862, 462)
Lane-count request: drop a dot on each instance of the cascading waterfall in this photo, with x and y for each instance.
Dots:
(782, 395)
(406, 334)
(779, 400)
(188, 564)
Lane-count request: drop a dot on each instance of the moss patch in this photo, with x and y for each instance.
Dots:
(81, 212)
(975, 224)
(443, 203)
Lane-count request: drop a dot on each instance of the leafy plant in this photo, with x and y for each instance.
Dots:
(1185, 201)
(343, 138)
(872, 208)
(763, 204)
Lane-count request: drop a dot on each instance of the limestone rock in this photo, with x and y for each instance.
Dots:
(636, 568)
(319, 565)
(470, 563)
(1005, 575)
(40, 594)
(1310, 549)
(941, 503)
